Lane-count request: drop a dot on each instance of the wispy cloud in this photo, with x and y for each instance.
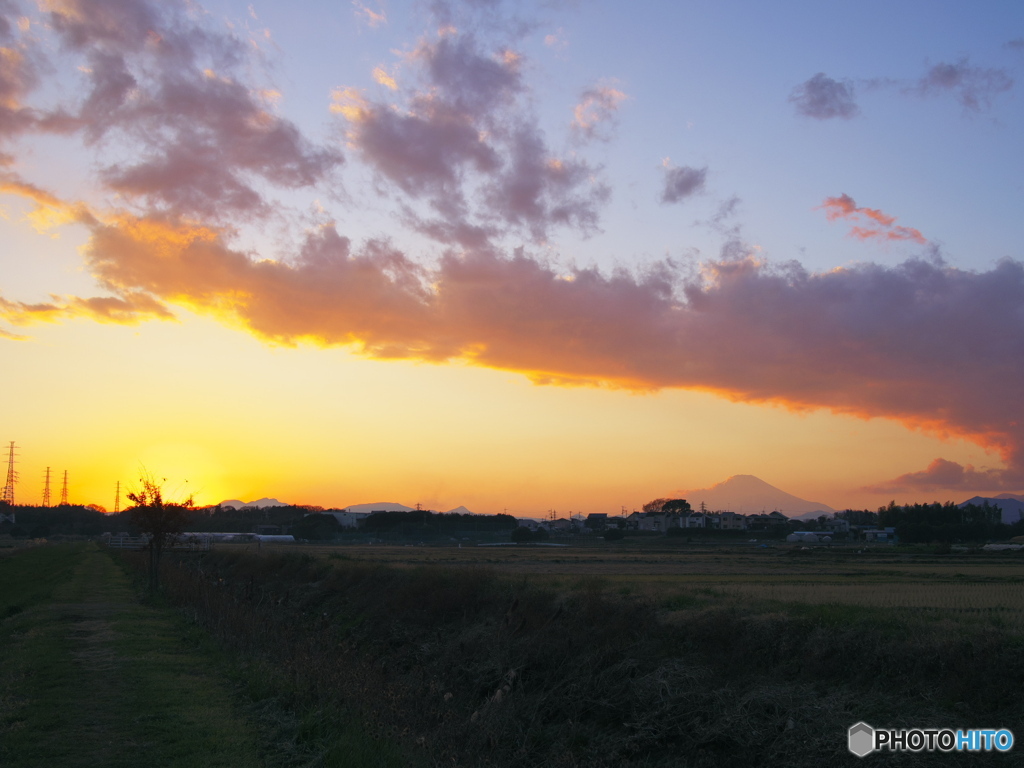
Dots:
(868, 223)
(824, 98)
(130, 308)
(374, 18)
(594, 114)
(974, 87)
(556, 40)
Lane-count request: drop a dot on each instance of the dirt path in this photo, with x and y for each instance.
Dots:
(89, 677)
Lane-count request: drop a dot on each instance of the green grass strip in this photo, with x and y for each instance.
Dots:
(90, 677)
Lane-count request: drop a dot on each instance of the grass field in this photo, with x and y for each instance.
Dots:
(970, 587)
(639, 653)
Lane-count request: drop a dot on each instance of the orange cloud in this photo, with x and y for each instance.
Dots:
(130, 308)
(876, 223)
(382, 77)
(11, 336)
(909, 342)
(50, 211)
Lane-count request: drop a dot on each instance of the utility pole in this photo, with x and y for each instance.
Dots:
(46, 489)
(12, 476)
(64, 491)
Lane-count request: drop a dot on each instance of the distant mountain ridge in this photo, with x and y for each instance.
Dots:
(392, 506)
(376, 506)
(379, 506)
(748, 494)
(258, 504)
(1011, 505)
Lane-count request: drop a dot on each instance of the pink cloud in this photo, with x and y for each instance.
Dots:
(464, 142)
(596, 110)
(176, 93)
(876, 224)
(945, 475)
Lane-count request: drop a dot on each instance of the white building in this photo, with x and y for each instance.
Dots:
(348, 519)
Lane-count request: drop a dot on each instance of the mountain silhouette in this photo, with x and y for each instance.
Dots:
(258, 504)
(1012, 505)
(380, 506)
(748, 494)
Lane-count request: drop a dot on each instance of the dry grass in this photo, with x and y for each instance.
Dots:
(961, 587)
(639, 655)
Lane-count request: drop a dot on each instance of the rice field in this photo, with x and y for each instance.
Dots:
(954, 598)
(963, 587)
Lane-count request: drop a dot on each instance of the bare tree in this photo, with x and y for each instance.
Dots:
(158, 518)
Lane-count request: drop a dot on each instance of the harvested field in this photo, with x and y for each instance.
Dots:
(639, 655)
(975, 586)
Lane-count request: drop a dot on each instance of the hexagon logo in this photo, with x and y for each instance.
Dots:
(861, 739)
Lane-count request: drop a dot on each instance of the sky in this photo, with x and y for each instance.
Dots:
(519, 257)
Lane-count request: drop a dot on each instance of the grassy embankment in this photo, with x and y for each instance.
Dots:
(703, 656)
(91, 676)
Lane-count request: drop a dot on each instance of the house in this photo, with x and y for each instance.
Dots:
(695, 521)
(730, 521)
(838, 525)
(658, 521)
(887, 535)
(765, 522)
